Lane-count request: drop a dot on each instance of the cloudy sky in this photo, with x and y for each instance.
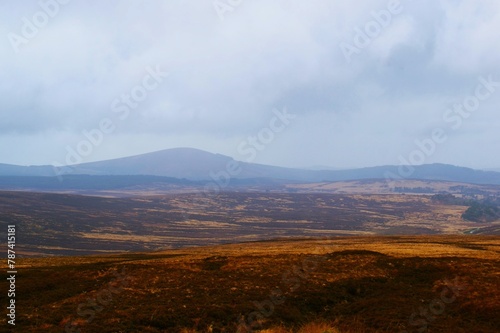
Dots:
(284, 82)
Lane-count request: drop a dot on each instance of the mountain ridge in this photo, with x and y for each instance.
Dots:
(198, 165)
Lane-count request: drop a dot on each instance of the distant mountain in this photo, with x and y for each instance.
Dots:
(321, 167)
(187, 163)
(195, 165)
(443, 172)
(16, 170)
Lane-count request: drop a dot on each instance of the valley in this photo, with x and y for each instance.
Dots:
(69, 224)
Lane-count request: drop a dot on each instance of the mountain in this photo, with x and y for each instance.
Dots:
(437, 171)
(198, 165)
(16, 170)
(188, 163)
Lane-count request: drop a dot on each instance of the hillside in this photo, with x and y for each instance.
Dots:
(393, 284)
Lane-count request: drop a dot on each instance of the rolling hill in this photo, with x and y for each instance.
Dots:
(197, 165)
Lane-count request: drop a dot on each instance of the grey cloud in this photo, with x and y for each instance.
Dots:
(227, 76)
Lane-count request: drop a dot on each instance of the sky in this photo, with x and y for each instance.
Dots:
(285, 82)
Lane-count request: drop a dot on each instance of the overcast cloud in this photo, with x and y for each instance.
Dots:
(230, 63)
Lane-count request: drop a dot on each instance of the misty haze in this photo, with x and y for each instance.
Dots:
(250, 166)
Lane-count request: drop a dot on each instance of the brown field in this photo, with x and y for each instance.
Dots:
(381, 186)
(340, 284)
(66, 224)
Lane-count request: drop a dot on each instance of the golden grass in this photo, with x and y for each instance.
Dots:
(318, 328)
(364, 284)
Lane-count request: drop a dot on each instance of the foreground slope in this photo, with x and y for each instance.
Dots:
(356, 284)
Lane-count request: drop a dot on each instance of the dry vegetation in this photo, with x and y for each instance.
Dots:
(63, 224)
(345, 284)
(381, 186)
(296, 283)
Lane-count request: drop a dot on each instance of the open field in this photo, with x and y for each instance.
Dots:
(381, 186)
(67, 224)
(135, 186)
(353, 284)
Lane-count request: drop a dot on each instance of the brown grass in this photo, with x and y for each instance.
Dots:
(57, 224)
(347, 285)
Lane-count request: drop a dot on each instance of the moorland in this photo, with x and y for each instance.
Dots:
(355, 284)
(74, 224)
